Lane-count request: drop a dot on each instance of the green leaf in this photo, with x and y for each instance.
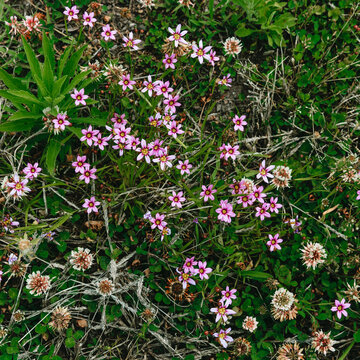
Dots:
(25, 96)
(48, 76)
(257, 275)
(357, 336)
(51, 154)
(70, 342)
(40, 329)
(41, 85)
(16, 125)
(32, 60)
(76, 80)
(243, 32)
(48, 50)
(75, 131)
(63, 60)
(57, 86)
(16, 100)
(24, 115)
(285, 20)
(13, 292)
(73, 63)
(90, 120)
(11, 82)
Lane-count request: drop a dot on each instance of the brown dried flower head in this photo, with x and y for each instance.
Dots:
(290, 352)
(242, 346)
(60, 318)
(105, 287)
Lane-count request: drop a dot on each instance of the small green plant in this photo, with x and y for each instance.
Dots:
(43, 91)
(265, 17)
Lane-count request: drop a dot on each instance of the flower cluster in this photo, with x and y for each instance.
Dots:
(38, 284)
(188, 270)
(30, 25)
(7, 223)
(283, 305)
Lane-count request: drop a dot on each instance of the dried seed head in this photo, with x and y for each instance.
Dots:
(60, 318)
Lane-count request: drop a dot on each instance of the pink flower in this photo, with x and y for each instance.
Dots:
(203, 271)
(89, 19)
(213, 57)
(157, 121)
(177, 199)
(144, 152)
(120, 146)
(8, 223)
(257, 194)
(71, 13)
(125, 82)
(171, 103)
(274, 242)
(165, 231)
(245, 200)
(223, 337)
(32, 171)
(80, 163)
(340, 308)
(147, 216)
(107, 33)
(189, 265)
(158, 221)
(89, 135)
(223, 151)
(18, 186)
(200, 52)
(274, 206)
(162, 88)
(263, 211)
(239, 122)
(231, 151)
(208, 192)
(101, 142)
(226, 80)
(228, 296)
(60, 122)
(155, 147)
(174, 129)
(164, 159)
(225, 211)
(222, 312)
(169, 61)
(149, 86)
(87, 174)
(79, 97)
(184, 167)
(132, 143)
(358, 195)
(118, 120)
(177, 35)
(168, 117)
(264, 172)
(122, 133)
(91, 205)
(130, 42)
(185, 279)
